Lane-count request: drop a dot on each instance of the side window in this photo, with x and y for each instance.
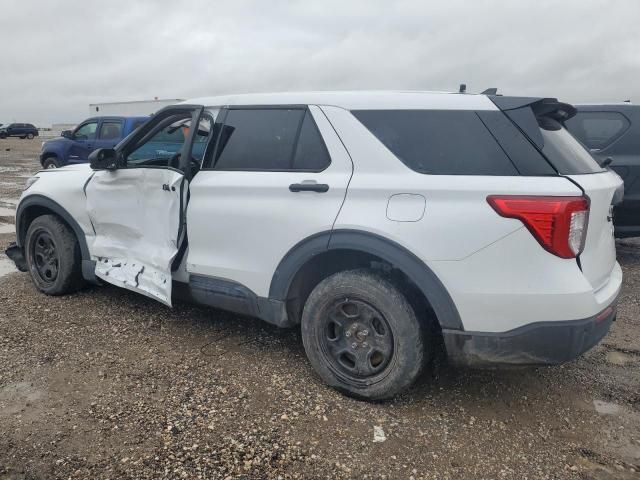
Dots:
(597, 129)
(258, 139)
(110, 130)
(438, 142)
(161, 147)
(311, 152)
(86, 131)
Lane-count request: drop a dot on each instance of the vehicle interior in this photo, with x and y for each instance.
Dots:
(165, 143)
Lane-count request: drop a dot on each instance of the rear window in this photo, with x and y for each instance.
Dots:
(564, 152)
(598, 130)
(438, 142)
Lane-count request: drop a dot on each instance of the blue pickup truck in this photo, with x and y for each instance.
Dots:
(74, 146)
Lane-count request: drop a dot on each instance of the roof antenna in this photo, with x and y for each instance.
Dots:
(627, 101)
(463, 88)
(490, 91)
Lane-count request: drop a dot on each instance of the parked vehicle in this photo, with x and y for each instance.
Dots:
(74, 146)
(384, 223)
(22, 130)
(611, 132)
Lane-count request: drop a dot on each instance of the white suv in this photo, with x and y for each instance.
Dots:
(385, 223)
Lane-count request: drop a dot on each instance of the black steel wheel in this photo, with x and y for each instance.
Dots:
(357, 341)
(45, 257)
(53, 256)
(362, 336)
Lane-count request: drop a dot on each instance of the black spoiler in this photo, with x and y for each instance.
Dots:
(524, 111)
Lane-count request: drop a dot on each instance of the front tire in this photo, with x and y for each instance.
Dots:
(53, 256)
(30, 136)
(362, 336)
(50, 162)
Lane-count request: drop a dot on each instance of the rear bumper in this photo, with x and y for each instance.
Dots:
(541, 343)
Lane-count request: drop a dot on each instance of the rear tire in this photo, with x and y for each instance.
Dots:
(50, 162)
(53, 256)
(362, 336)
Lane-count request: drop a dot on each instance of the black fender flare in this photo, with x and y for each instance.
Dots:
(88, 266)
(366, 242)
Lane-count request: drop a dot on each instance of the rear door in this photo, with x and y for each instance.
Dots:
(137, 210)
(109, 133)
(278, 176)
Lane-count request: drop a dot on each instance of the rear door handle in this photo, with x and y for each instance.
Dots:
(309, 187)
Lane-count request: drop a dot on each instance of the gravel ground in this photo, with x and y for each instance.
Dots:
(109, 384)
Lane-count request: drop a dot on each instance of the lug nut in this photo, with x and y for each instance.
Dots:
(354, 345)
(365, 332)
(348, 334)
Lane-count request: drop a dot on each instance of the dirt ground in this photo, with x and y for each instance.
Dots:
(109, 384)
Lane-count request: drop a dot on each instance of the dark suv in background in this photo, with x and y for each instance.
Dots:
(22, 130)
(611, 132)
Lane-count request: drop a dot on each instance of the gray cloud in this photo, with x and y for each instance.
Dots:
(60, 56)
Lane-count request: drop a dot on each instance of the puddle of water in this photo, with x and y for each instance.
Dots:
(7, 228)
(7, 212)
(606, 408)
(6, 266)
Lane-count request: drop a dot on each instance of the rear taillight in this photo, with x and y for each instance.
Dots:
(558, 223)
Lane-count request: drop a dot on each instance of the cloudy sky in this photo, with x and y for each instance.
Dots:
(57, 57)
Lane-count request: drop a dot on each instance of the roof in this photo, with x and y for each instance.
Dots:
(354, 100)
(157, 100)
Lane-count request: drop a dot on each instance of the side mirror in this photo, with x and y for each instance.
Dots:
(67, 134)
(103, 159)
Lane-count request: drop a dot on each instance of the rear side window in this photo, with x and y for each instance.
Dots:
(598, 130)
(311, 153)
(438, 142)
(110, 130)
(566, 153)
(270, 139)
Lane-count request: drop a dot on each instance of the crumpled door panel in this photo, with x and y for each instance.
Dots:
(136, 216)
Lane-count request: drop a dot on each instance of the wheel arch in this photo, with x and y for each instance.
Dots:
(35, 206)
(312, 259)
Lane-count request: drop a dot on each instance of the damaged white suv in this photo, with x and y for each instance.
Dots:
(385, 223)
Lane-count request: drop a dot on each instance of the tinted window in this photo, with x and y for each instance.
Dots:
(525, 157)
(86, 131)
(110, 130)
(311, 152)
(566, 153)
(439, 142)
(597, 129)
(258, 139)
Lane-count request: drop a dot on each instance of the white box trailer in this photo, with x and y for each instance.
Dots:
(130, 109)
